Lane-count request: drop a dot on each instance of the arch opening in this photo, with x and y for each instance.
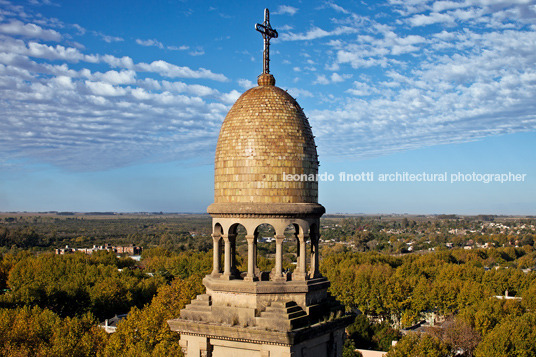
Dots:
(264, 255)
(217, 247)
(314, 236)
(236, 237)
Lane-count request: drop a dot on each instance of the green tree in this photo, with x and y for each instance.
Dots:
(78, 283)
(360, 332)
(349, 349)
(419, 345)
(40, 332)
(384, 335)
(145, 332)
(513, 337)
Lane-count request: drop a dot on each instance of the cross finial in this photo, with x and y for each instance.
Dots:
(267, 33)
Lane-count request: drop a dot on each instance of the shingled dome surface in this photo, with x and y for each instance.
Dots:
(265, 136)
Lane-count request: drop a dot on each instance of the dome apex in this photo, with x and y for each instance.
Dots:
(266, 79)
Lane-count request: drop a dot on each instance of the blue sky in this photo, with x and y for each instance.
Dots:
(117, 105)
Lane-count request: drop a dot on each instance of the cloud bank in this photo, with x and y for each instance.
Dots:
(417, 74)
(434, 72)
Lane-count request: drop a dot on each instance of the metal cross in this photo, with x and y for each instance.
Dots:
(267, 33)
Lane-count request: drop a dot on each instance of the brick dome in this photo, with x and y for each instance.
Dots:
(264, 136)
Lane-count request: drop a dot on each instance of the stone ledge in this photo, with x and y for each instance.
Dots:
(265, 287)
(270, 209)
(256, 335)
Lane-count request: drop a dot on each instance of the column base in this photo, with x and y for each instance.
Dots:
(298, 275)
(278, 277)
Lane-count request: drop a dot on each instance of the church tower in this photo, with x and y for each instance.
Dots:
(264, 138)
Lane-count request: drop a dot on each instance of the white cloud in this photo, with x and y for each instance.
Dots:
(17, 28)
(122, 62)
(108, 38)
(424, 87)
(336, 78)
(433, 18)
(114, 77)
(97, 123)
(82, 119)
(285, 9)
(141, 94)
(245, 83)
(172, 71)
(178, 48)
(111, 39)
(360, 60)
(337, 8)
(158, 44)
(154, 43)
(300, 93)
(446, 99)
(163, 68)
(39, 50)
(196, 53)
(415, 87)
(63, 82)
(57, 52)
(321, 79)
(360, 89)
(105, 89)
(195, 89)
(439, 6)
(316, 32)
(284, 28)
(230, 97)
(80, 29)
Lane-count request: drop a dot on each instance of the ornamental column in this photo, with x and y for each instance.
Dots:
(216, 268)
(252, 262)
(301, 270)
(227, 258)
(277, 273)
(315, 273)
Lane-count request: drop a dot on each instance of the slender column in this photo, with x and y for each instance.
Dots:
(303, 253)
(279, 255)
(314, 257)
(252, 263)
(216, 268)
(227, 258)
(301, 270)
(257, 270)
(277, 273)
